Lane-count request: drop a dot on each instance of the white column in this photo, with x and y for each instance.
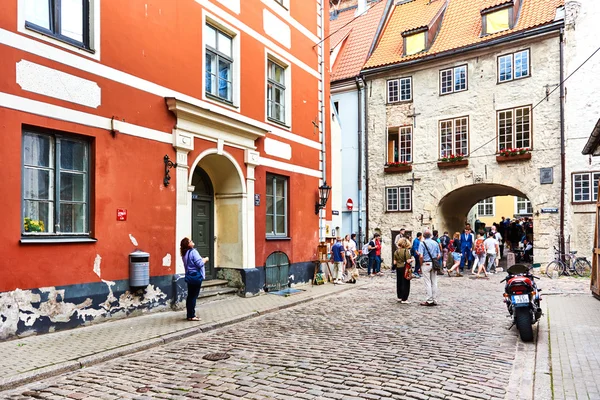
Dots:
(183, 142)
(251, 158)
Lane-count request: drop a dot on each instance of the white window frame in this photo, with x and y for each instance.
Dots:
(401, 192)
(94, 10)
(513, 70)
(485, 204)
(513, 128)
(453, 72)
(275, 179)
(408, 154)
(453, 140)
(287, 66)
(55, 172)
(591, 191)
(526, 202)
(235, 52)
(398, 82)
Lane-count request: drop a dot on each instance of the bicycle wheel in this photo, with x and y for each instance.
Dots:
(582, 267)
(362, 262)
(555, 265)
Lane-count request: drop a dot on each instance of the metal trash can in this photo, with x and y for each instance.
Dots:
(139, 269)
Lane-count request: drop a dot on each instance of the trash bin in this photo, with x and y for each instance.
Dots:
(139, 269)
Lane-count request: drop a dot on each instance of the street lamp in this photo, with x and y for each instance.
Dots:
(324, 191)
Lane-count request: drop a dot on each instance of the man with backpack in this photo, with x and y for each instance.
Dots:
(374, 247)
(445, 241)
(479, 253)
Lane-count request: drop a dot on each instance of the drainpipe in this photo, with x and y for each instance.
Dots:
(358, 94)
(321, 59)
(562, 146)
(366, 155)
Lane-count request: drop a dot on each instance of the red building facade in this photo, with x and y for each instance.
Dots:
(100, 99)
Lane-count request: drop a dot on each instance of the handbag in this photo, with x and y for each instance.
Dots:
(193, 277)
(435, 264)
(408, 273)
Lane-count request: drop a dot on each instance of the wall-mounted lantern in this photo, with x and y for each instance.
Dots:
(168, 165)
(324, 191)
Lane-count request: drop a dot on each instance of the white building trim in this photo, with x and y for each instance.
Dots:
(284, 13)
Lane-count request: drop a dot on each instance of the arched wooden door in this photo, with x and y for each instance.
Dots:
(203, 218)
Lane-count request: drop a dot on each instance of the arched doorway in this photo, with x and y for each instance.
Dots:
(203, 202)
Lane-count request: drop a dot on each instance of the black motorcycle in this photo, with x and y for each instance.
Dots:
(522, 298)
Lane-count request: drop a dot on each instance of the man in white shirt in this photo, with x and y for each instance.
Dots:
(492, 250)
(498, 237)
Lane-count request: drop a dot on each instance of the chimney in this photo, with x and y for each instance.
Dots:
(362, 7)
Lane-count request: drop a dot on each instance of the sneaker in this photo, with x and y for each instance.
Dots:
(427, 304)
(405, 302)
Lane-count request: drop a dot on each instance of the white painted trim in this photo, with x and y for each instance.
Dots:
(284, 13)
(225, 154)
(255, 35)
(52, 53)
(236, 55)
(267, 162)
(66, 114)
(94, 31)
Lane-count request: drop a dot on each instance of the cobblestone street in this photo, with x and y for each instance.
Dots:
(359, 344)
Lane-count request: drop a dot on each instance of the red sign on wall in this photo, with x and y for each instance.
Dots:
(121, 214)
(349, 204)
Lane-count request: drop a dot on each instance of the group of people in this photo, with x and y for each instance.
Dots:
(343, 254)
(517, 235)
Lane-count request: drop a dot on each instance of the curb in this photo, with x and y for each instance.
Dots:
(88, 361)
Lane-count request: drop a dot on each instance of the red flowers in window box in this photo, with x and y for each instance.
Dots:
(453, 157)
(522, 153)
(395, 167)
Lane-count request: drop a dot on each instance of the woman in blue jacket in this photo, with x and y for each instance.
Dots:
(194, 265)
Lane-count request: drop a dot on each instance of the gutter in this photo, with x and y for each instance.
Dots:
(558, 25)
(382, 21)
(593, 141)
(561, 240)
(359, 93)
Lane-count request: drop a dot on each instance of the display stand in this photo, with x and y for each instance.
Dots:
(323, 258)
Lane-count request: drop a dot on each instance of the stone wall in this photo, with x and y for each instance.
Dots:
(443, 197)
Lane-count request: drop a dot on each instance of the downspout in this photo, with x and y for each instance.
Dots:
(360, 157)
(366, 135)
(562, 145)
(321, 59)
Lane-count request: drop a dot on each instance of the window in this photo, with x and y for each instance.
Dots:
(276, 205)
(513, 66)
(585, 187)
(453, 79)
(55, 184)
(414, 43)
(514, 128)
(524, 206)
(399, 198)
(399, 90)
(65, 20)
(454, 137)
(400, 144)
(275, 92)
(485, 208)
(497, 21)
(219, 64)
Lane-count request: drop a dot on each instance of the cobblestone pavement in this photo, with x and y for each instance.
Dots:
(360, 344)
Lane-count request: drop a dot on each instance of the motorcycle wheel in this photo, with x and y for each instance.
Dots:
(523, 320)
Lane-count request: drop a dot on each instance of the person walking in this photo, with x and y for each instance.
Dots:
(498, 237)
(415, 253)
(445, 241)
(455, 256)
(338, 257)
(374, 255)
(429, 250)
(466, 247)
(194, 275)
(492, 250)
(480, 254)
(403, 260)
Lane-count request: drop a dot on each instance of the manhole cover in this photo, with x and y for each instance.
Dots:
(216, 356)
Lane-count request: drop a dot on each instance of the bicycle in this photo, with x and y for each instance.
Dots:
(577, 265)
(362, 261)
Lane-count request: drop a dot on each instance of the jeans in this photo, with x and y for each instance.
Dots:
(491, 262)
(430, 281)
(417, 265)
(190, 301)
(402, 284)
(375, 263)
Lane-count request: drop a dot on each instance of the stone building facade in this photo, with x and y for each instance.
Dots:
(427, 192)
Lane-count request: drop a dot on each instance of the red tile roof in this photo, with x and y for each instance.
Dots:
(460, 27)
(355, 38)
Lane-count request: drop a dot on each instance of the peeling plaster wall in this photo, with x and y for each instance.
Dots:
(26, 312)
(443, 197)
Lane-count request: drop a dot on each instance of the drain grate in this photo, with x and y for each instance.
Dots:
(216, 356)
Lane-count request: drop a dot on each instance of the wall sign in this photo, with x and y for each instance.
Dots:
(257, 199)
(121, 214)
(333, 212)
(546, 175)
(549, 210)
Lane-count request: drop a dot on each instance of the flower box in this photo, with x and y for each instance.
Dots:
(452, 164)
(396, 169)
(517, 157)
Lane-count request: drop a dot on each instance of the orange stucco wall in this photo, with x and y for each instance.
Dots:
(160, 42)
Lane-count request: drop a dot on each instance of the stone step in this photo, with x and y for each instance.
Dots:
(216, 288)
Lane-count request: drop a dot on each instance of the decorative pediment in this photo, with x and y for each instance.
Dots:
(201, 122)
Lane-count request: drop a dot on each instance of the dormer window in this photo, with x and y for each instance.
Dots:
(499, 18)
(415, 41)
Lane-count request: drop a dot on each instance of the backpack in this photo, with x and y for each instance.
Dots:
(365, 249)
(444, 241)
(479, 247)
